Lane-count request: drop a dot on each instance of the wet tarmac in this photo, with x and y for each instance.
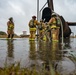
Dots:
(51, 56)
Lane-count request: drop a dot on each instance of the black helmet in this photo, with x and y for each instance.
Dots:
(33, 16)
(10, 18)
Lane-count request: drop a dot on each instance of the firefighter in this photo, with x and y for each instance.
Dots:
(32, 27)
(41, 28)
(10, 28)
(48, 31)
(53, 22)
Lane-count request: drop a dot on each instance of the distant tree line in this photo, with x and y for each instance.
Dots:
(2, 33)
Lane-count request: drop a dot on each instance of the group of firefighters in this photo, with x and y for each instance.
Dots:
(46, 30)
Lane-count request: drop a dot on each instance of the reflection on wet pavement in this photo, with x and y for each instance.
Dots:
(44, 56)
(10, 48)
(10, 51)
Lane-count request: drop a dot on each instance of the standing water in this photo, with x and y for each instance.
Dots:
(50, 56)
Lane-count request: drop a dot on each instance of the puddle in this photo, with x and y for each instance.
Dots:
(44, 55)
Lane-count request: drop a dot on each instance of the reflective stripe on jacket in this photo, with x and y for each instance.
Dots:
(11, 27)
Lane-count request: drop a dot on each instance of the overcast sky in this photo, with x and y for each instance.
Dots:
(22, 10)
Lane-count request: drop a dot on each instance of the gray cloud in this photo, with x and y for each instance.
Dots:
(66, 8)
(22, 10)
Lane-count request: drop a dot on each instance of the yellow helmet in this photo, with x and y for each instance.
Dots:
(53, 14)
(41, 20)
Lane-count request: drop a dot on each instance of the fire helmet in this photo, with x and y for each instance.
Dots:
(10, 18)
(33, 16)
(53, 14)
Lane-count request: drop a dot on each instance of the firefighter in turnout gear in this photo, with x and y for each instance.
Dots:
(53, 22)
(32, 27)
(10, 28)
(41, 28)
